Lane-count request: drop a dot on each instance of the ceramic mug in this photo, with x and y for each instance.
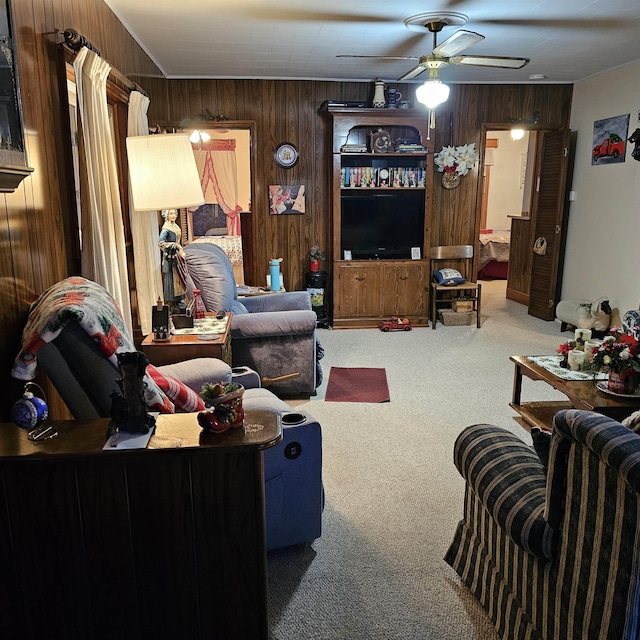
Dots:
(393, 97)
(405, 104)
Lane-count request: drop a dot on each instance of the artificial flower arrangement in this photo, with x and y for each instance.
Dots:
(315, 253)
(458, 160)
(618, 352)
(564, 349)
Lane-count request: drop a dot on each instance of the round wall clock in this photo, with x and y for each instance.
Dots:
(286, 155)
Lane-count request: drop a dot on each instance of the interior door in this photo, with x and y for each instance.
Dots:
(549, 221)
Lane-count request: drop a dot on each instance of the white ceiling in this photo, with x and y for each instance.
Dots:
(567, 40)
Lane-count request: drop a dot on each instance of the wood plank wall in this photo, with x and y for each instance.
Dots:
(288, 111)
(34, 221)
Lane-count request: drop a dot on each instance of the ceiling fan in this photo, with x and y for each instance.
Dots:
(447, 52)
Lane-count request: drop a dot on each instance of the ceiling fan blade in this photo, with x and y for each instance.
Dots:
(500, 62)
(457, 42)
(416, 71)
(347, 55)
(577, 24)
(281, 14)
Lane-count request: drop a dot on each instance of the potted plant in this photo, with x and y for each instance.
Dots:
(315, 255)
(224, 404)
(618, 354)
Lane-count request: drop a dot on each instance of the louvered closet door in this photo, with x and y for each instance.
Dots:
(552, 157)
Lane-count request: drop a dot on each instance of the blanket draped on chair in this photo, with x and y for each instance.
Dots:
(88, 304)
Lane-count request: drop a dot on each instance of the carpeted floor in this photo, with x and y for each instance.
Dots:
(393, 495)
(357, 384)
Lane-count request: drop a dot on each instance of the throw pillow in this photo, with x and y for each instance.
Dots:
(183, 397)
(449, 277)
(541, 443)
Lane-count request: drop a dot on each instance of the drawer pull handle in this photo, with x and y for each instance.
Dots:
(360, 279)
(404, 278)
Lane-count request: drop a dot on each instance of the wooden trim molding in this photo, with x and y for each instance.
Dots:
(11, 175)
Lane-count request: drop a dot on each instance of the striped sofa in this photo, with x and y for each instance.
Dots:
(553, 554)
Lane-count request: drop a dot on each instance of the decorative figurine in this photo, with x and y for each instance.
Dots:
(172, 255)
(128, 408)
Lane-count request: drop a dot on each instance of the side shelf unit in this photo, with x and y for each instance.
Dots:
(369, 289)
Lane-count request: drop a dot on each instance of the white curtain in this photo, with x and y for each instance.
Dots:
(219, 178)
(145, 229)
(103, 247)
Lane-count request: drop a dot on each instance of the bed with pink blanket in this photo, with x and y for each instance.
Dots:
(493, 255)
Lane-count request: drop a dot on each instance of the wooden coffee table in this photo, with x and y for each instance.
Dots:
(580, 395)
(185, 347)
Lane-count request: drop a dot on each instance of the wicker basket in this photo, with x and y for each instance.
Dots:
(452, 318)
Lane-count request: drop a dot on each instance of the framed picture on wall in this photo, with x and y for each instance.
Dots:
(286, 199)
(13, 160)
(610, 140)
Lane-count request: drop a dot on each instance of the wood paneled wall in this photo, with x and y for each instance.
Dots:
(34, 221)
(288, 111)
(461, 121)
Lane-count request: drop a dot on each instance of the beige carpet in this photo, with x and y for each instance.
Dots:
(393, 495)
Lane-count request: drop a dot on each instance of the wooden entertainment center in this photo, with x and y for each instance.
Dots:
(368, 288)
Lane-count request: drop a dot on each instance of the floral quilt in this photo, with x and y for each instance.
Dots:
(79, 300)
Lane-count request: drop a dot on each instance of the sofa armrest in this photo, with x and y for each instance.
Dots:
(195, 372)
(286, 301)
(510, 481)
(276, 323)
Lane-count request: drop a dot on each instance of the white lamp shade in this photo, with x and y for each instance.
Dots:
(163, 172)
(432, 93)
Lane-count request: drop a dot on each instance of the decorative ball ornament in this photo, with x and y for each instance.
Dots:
(30, 411)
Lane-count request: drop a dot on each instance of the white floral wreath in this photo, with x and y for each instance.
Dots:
(458, 160)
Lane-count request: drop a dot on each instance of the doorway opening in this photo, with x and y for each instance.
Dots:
(507, 178)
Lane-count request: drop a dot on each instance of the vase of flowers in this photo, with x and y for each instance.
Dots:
(618, 355)
(315, 255)
(454, 162)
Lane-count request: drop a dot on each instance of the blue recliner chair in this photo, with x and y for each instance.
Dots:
(85, 379)
(274, 334)
(294, 495)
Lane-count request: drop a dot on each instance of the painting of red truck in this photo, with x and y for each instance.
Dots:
(610, 140)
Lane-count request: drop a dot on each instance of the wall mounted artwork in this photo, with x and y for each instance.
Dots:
(610, 140)
(286, 199)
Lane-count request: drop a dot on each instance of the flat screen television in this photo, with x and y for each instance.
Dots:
(382, 225)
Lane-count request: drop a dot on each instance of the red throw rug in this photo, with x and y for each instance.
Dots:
(353, 384)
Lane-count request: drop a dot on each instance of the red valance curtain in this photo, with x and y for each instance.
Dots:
(216, 161)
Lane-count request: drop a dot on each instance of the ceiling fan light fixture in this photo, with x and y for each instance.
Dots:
(432, 93)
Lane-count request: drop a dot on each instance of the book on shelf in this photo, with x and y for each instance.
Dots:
(354, 148)
(363, 177)
(411, 148)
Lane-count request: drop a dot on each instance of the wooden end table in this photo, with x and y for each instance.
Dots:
(185, 347)
(162, 542)
(580, 395)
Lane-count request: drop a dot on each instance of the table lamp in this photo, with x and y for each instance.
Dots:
(163, 172)
(163, 175)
